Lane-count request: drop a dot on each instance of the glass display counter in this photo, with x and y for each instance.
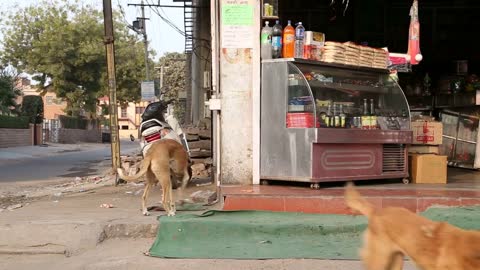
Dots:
(325, 122)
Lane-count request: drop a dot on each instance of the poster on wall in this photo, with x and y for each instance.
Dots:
(148, 91)
(237, 24)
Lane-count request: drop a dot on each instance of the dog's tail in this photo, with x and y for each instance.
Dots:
(355, 201)
(143, 170)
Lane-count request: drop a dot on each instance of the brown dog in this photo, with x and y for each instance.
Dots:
(165, 157)
(395, 232)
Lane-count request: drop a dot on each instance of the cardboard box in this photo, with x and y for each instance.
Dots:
(427, 132)
(428, 169)
(424, 149)
(314, 42)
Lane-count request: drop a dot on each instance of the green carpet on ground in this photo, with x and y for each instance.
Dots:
(275, 235)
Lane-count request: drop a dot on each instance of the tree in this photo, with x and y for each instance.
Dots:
(32, 107)
(8, 92)
(63, 45)
(173, 80)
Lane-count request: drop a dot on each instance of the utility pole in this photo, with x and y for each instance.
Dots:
(161, 82)
(145, 42)
(112, 85)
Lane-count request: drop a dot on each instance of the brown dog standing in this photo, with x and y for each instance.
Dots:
(163, 158)
(394, 233)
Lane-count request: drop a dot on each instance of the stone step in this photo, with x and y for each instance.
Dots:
(331, 201)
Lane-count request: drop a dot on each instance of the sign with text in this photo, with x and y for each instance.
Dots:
(237, 24)
(148, 91)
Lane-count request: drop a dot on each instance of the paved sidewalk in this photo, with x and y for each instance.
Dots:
(65, 219)
(74, 232)
(69, 230)
(125, 254)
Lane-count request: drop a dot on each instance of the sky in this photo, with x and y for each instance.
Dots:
(162, 37)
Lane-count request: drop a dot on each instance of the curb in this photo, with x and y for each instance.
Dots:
(81, 237)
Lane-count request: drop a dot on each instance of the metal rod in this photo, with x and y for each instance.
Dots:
(145, 42)
(161, 82)
(112, 85)
(165, 6)
(214, 25)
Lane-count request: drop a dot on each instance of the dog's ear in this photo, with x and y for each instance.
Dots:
(430, 230)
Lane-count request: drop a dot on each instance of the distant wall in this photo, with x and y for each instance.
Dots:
(10, 137)
(13, 137)
(79, 135)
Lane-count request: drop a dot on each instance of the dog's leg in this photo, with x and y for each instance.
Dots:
(163, 176)
(150, 182)
(378, 252)
(167, 199)
(173, 209)
(185, 178)
(144, 199)
(396, 262)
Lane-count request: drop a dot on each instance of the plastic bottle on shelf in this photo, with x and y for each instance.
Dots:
(342, 117)
(277, 40)
(365, 115)
(266, 41)
(299, 40)
(373, 115)
(336, 116)
(288, 50)
(329, 117)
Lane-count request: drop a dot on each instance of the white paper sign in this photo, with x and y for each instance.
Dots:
(148, 91)
(237, 24)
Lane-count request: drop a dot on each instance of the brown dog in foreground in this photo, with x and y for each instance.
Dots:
(164, 158)
(395, 232)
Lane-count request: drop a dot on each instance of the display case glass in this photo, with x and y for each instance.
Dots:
(460, 138)
(325, 96)
(314, 127)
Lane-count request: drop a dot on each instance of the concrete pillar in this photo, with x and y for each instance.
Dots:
(239, 86)
(200, 58)
(188, 88)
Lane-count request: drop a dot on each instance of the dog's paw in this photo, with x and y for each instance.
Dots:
(146, 213)
(171, 214)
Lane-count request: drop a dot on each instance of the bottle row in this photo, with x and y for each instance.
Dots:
(335, 117)
(277, 42)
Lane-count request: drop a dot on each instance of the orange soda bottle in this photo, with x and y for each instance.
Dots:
(288, 50)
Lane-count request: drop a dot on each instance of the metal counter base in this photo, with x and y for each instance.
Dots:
(338, 155)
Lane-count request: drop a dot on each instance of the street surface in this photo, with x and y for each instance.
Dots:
(127, 254)
(62, 163)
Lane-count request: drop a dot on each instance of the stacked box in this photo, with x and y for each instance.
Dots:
(428, 169)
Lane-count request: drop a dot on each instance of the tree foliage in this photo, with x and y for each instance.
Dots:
(8, 92)
(32, 107)
(63, 45)
(173, 80)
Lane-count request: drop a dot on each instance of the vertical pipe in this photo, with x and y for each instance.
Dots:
(145, 43)
(214, 9)
(256, 96)
(110, 54)
(161, 82)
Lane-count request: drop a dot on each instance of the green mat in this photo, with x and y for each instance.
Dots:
(275, 235)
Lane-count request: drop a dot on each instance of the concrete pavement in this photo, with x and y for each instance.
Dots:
(73, 232)
(120, 254)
